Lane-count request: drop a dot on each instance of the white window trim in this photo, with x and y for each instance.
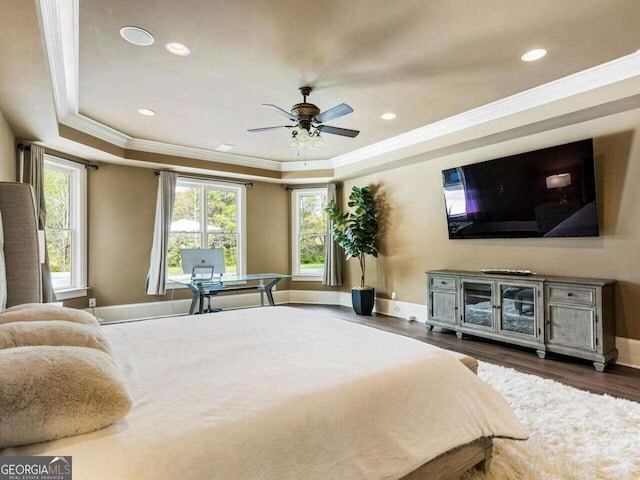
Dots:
(79, 236)
(295, 228)
(241, 190)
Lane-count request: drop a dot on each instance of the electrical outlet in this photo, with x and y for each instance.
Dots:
(92, 302)
(393, 295)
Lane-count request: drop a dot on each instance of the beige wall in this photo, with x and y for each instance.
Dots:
(416, 240)
(7, 152)
(121, 210)
(267, 229)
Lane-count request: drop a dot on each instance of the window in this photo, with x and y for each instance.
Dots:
(309, 232)
(207, 214)
(65, 196)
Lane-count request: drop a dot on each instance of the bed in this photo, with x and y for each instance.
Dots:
(278, 392)
(282, 393)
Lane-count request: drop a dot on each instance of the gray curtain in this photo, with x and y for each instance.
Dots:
(333, 258)
(34, 174)
(157, 276)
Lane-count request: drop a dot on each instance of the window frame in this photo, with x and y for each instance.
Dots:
(241, 195)
(296, 194)
(78, 224)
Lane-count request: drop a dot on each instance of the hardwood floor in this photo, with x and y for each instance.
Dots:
(617, 381)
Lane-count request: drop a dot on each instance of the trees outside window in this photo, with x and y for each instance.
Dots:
(309, 232)
(65, 200)
(207, 215)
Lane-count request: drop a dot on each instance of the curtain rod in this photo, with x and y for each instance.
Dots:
(193, 177)
(290, 188)
(90, 166)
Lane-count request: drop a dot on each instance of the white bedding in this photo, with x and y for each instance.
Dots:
(281, 393)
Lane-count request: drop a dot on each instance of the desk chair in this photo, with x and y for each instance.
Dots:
(203, 264)
(206, 274)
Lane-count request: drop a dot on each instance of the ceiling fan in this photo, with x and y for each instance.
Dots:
(309, 122)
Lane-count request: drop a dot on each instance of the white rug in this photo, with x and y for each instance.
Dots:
(573, 434)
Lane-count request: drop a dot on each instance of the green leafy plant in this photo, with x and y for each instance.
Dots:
(356, 231)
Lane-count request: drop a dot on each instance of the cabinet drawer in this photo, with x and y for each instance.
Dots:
(569, 293)
(443, 282)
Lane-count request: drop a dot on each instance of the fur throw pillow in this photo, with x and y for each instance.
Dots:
(48, 393)
(43, 311)
(53, 333)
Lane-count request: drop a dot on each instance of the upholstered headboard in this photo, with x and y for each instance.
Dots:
(20, 232)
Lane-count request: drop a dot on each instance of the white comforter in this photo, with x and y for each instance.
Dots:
(281, 393)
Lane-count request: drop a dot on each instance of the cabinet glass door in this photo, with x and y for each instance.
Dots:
(478, 307)
(518, 312)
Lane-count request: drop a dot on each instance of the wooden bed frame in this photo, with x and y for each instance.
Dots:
(450, 465)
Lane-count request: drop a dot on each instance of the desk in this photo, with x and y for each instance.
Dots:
(226, 283)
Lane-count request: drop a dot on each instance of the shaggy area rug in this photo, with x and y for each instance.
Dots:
(573, 434)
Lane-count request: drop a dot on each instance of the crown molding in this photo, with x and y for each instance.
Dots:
(617, 70)
(95, 129)
(59, 26)
(201, 154)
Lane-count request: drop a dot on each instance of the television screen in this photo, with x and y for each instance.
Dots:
(545, 193)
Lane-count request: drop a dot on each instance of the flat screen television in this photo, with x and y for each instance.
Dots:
(545, 193)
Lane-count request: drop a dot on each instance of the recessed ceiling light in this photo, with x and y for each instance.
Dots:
(179, 49)
(137, 36)
(388, 116)
(533, 55)
(147, 112)
(224, 147)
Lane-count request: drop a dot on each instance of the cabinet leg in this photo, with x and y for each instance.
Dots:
(429, 327)
(541, 353)
(460, 335)
(599, 366)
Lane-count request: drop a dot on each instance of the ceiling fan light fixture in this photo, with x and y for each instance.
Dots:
(533, 55)
(303, 136)
(293, 143)
(309, 121)
(318, 142)
(178, 49)
(137, 36)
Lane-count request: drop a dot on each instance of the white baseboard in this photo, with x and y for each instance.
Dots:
(628, 348)
(406, 310)
(315, 297)
(147, 310)
(628, 352)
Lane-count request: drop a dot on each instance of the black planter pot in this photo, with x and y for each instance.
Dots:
(363, 300)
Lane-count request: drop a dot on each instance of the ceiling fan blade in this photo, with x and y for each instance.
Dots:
(269, 128)
(332, 113)
(345, 132)
(280, 111)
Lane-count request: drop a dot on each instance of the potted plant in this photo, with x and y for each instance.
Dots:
(356, 232)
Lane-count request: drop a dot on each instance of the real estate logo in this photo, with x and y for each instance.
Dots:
(35, 468)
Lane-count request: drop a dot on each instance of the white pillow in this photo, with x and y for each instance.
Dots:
(30, 312)
(48, 393)
(56, 333)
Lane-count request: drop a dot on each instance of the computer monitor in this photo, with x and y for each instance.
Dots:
(202, 257)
